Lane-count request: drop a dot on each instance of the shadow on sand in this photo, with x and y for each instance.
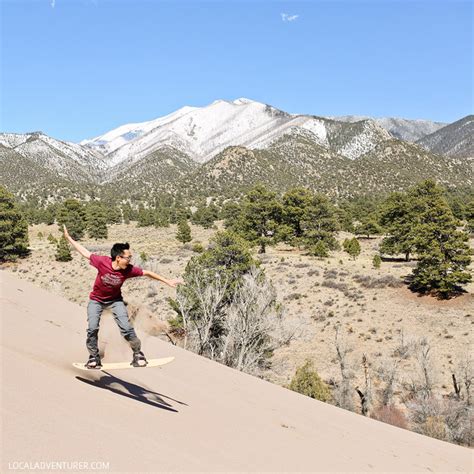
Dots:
(130, 390)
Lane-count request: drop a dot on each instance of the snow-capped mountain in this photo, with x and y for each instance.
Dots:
(226, 146)
(124, 134)
(64, 157)
(403, 129)
(203, 132)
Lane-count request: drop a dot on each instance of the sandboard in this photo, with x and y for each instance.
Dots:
(125, 365)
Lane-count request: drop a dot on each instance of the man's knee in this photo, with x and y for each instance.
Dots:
(94, 312)
(120, 313)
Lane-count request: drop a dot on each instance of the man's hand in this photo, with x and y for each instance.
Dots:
(175, 283)
(82, 250)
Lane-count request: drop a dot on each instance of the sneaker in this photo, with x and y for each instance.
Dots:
(94, 362)
(139, 360)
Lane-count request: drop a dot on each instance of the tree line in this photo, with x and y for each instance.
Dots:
(416, 224)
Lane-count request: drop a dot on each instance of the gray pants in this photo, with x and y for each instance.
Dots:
(119, 310)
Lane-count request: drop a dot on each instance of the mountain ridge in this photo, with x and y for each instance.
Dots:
(336, 157)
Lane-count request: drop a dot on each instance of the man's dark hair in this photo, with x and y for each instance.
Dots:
(118, 249)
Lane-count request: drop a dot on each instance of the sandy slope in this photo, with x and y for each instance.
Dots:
(191, 415)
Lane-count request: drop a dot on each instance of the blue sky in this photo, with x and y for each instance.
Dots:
(78, 68)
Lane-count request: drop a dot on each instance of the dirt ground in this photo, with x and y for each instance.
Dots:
(317, 294)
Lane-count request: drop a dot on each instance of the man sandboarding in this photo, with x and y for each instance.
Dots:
(111, 273)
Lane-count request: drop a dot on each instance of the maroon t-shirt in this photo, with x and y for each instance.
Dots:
(109, 281)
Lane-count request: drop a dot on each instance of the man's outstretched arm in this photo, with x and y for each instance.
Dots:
(82, 250)
(155, 276)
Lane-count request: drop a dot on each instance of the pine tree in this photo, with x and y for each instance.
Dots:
(469, 216)
(13, 228)
(204, 216)
(226, 259)
(162, 217)
(398, 217)
(344, 217)
(294, 204)
(227, 254)
(352, 247)
(49, 215)
(96, 221)
(231, 211)
(113, 214)
(307, 218)
(127, 213)
(73, 215)
(368, 226)
(63, 252)
(319, 249)
(178, 212)
(184, 232)
(259, 217)
(319, 222)
(146, 217)
(442, 249)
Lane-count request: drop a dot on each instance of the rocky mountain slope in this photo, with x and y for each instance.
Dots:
(403, 129)
(456, 139)
(203, 132)
(227, 147)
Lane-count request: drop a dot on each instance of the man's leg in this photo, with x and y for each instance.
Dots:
(94, 311)
(120, 313)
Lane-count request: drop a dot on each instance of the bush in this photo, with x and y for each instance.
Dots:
(307, 382)
(434, 427)
(391, 415)
(184, 232)
(197, 247)
(13, 228)
(352, 247)
(445, 419)
(382, 282)
(376, 261)
(331, 273)
(319, 249)
(337, 286)
(63, 253)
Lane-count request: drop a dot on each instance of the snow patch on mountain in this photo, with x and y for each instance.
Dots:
(11, 140)
(124, 134)
(364, 141)
(202, 132)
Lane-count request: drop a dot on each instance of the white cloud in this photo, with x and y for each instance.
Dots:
(53, 3)
(286, 17)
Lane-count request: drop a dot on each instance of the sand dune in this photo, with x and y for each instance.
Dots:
(190, 415)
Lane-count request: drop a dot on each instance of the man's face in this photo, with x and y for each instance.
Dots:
(124, 259)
